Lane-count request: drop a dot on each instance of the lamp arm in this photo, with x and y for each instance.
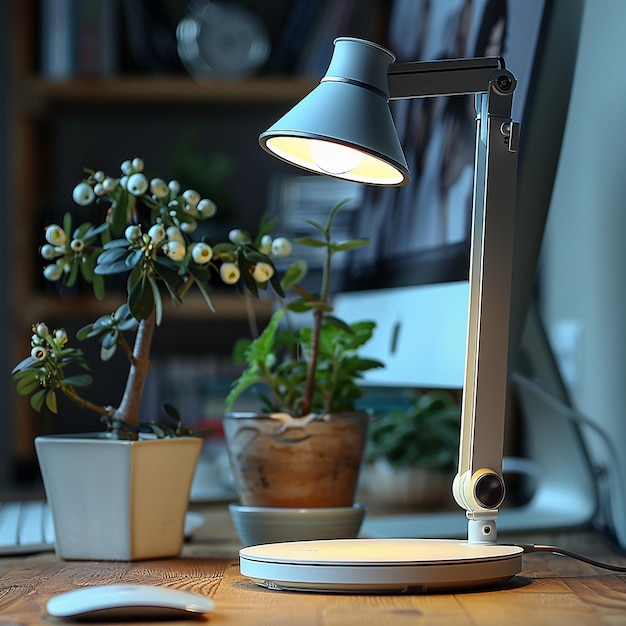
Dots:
(447, 77)
(479, 486)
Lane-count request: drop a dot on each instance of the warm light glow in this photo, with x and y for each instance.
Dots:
(334, 158)
(370, 169)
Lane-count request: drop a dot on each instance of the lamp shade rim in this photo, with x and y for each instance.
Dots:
(402, 177)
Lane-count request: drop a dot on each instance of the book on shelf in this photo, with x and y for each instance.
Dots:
(79, 38)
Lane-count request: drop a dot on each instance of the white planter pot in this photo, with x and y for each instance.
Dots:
(117, 500)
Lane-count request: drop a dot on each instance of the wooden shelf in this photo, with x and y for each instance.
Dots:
(37, 94)
(227, 306)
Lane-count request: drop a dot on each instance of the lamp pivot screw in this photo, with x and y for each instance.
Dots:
(504, 83)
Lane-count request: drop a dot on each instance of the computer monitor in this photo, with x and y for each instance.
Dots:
(413, 278)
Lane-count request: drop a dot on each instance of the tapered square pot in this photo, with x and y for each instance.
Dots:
(117, 500)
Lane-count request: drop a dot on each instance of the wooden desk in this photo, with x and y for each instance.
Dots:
(550, 590)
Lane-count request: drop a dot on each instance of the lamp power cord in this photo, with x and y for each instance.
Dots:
(530, 548)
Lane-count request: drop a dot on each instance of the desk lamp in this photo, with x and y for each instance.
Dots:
(344, 129)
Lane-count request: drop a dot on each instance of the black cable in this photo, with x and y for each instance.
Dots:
(529, 548)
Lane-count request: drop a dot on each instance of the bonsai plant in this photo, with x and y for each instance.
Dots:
(412, 452)
(147, 235)
(305, 449)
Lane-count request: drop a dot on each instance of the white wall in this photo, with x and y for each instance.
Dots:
(583, 268)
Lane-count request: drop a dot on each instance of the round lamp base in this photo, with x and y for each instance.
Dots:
(379, 565)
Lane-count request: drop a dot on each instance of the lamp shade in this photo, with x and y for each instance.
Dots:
(344, 128)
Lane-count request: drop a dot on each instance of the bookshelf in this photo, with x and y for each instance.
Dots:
(48, 121)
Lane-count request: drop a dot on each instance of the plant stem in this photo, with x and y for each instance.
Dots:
(126, 348)
(128, 410)
(318, 315)
(69, 392)
(318, 319)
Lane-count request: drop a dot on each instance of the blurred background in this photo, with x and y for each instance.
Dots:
(89, 83)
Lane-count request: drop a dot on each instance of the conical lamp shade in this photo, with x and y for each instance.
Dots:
(344, 128)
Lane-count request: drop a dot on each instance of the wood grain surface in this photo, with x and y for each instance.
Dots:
(550, 590)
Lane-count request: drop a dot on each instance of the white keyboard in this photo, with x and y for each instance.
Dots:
(26, 527)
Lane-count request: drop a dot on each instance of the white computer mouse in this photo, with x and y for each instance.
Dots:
(124, 601)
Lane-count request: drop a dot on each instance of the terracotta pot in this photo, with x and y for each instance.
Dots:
(117, 500)
(304, 466)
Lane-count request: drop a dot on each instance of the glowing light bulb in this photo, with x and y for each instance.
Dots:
(334, 158)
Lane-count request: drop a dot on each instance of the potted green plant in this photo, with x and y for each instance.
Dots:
(123, 494)
(304, 449)
(412, 451)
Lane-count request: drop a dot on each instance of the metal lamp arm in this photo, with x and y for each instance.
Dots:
(479, 486)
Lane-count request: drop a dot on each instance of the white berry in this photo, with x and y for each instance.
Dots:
(262, 272)
(281, 246)
(55, 235)
(157, 233)
(229, 273)
(207, 207)
(192, 198)
(202, 253)
(53, 272)
(159, 188)
(83, 194)
(132, 233)
(175, 250)
(77, 245)
(137, 184)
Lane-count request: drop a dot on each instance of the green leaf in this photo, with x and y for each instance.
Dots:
(172, 412)
(119, 267)
(94, 231)
(299, 306)
(141, 300)
(136, 275)
(170, 277)
(257, 354)
(37, 399)
(78, 380)
(81, 231)
(51, 401)
(205, 294)
(29, 361)
(158, 301)
(27, 385)
(350, 245)
(240, 349)
(331, 215)
(158, 430)
(312, 243)
(86, 270)
(335, 321)
(221, 248)
(70, 279)
(316, 225)
(106, 353)
(113, 254)
(67, 223)
(97, 284)
(276, 286)
(134, 258)
(110, 338)
(294, 274)
(254, 256)
(115, 243)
